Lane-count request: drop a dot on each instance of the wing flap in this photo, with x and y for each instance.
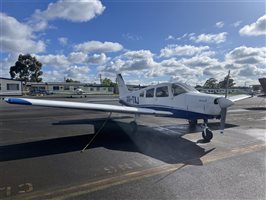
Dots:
(86, 106)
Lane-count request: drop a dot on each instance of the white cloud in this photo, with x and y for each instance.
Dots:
(131, 36)
(216, 71)
(247, 63)
(247, 55)
(252, 70)
(6, 63)
(200, 61)
(56, 61)
(177, 69)
(53, 76)
(75, 11)
(186, 50)
(198, 68)
(18, 37)
(255, 29)
(98, 47)
(77, 57)
(97, 58)
(131, 61)
(63, 41)
(60, 66)
(237, 23)
(210, 38)
(77, 72)
(170, 37)
(219, 24)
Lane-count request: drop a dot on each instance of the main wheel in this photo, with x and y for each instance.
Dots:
(207, 135)
(192, 122)
(133, 127)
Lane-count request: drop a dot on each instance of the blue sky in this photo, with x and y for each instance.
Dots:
(146, 41)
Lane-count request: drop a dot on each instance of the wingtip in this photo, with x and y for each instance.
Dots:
(6, 99)
(17, 101)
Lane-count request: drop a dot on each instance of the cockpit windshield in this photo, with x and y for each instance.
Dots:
(179, 88)
(188, 88)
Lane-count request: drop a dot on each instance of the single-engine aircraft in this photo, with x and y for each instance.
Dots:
(175, 100)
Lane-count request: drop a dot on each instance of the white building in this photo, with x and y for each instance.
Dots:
(234, 90)
(10, 87)
(68, 88)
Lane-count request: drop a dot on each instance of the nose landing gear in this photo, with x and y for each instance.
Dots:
(206, 132)
(207, 135)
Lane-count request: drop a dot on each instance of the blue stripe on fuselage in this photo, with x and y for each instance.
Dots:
(177, 113)
(17, 101)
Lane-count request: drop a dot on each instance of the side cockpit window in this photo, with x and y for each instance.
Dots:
(162, 91)
(176, 89)
(141, 94)
(150, 93)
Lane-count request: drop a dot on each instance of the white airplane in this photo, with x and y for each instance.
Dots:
(175, 100)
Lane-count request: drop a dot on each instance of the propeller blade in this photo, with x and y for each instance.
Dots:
(224, 104)
(223, 118)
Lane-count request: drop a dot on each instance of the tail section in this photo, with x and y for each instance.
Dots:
(123, 91)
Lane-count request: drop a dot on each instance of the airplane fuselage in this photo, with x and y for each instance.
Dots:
(180, 99)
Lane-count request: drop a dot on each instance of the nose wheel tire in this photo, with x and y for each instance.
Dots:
(207, 135)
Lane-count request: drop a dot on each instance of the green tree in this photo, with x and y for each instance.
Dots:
(223, 84)
(69, 80)
(26, 69)
(210, 83)
(107, 82)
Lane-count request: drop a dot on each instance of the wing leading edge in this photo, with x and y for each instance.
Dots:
(86, 106)
(239, 97)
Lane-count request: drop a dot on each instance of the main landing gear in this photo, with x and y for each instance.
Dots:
(134, 125)
(192, 123)
(206, 132)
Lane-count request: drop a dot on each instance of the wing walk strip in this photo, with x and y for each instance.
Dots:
(82, 189)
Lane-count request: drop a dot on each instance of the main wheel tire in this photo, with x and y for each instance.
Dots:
(207, 135)
(192, 122)
(133, 127)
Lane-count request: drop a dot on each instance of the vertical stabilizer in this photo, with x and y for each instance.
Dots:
(123, 91)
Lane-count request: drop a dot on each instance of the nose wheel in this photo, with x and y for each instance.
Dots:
(207, 134)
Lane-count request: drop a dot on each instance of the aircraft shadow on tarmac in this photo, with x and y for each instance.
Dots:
(170, 148)
(256, 108)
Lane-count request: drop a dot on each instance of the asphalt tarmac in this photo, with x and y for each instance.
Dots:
(41, 158)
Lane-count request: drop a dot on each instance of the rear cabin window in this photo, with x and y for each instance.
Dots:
(162, 91)
(141, 94)
(150, 93)
(176, 89)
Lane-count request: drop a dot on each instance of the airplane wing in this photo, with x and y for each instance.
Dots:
(103, 100)
(86, 106)
(238, 97)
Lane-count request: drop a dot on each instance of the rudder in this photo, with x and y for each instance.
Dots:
(123, 91)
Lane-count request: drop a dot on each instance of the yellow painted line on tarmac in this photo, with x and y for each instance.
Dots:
(86, 188)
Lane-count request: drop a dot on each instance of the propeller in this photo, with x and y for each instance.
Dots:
(224, 104)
